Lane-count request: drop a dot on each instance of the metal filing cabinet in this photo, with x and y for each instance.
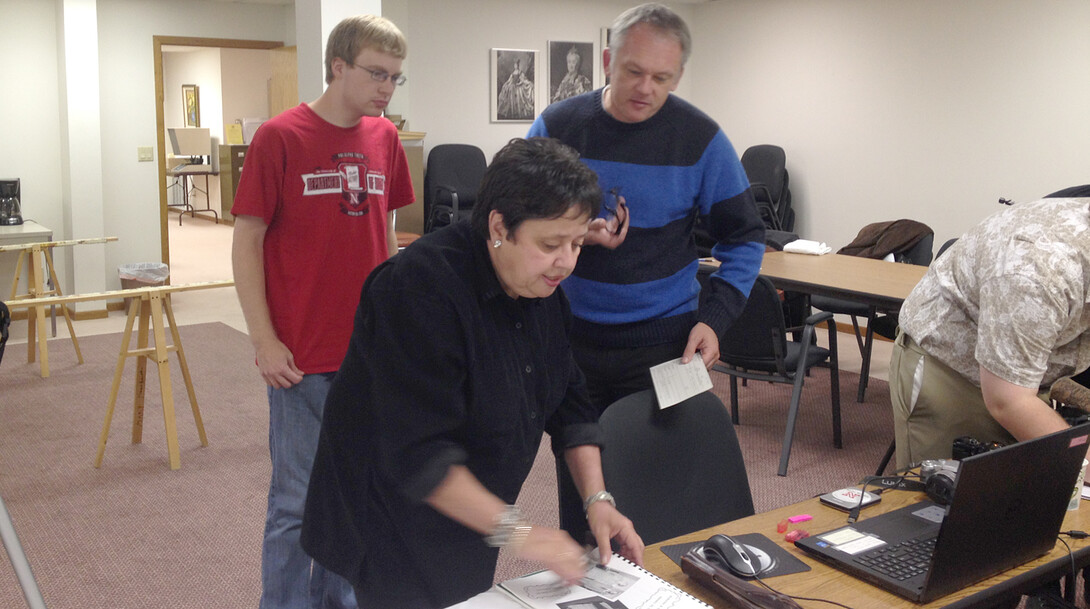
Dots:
(231, 159)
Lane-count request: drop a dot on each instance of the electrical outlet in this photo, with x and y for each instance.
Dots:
(145, 154)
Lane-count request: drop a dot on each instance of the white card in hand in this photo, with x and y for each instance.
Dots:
(676, 382)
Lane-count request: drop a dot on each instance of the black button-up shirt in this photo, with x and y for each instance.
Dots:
(444, 368)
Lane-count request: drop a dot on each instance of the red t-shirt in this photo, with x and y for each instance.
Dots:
(324, 192)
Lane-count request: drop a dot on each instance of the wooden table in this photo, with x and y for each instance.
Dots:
(874, 282)
(151, 304)
(826, 582)
(38, 259)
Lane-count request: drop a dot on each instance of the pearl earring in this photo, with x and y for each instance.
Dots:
(497, 243)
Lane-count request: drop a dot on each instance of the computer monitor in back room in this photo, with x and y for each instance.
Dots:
(249, 128)
(190, 142)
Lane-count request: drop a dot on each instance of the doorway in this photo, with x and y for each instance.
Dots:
(282, 94)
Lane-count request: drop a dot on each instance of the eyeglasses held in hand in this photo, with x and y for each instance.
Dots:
(615, 192)
(382, 76)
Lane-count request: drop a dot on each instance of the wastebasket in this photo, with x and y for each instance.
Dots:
(142, 275)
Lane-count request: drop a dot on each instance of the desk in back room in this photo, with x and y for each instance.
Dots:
(825, 582)
(183, 173)
(20, 234)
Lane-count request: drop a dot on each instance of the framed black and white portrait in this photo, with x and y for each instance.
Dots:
(571, 69)
(513, 88)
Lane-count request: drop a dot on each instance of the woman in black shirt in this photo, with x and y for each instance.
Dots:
(458, 362)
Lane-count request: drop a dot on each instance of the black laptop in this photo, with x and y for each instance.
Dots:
(1007, 509)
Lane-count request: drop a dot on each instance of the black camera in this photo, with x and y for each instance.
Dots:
(938, 477)
(966, 446)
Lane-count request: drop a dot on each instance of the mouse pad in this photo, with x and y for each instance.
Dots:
(783, 563)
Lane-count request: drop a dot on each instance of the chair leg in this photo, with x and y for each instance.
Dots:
(733, 399)
(885, 460)
(858, 335)
(868, 343)
(834, 391)
(792, 416)
(834, 383)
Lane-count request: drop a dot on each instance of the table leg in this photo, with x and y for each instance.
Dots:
(36, 314)
(141, 370)
(56, 291)
(18, 272)
(165, 386)
(125, 340)
(185, 370)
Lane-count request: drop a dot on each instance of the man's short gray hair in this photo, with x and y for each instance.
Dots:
(657, 16)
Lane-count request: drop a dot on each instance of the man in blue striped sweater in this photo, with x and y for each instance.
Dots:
(635, 295)
(640, 304)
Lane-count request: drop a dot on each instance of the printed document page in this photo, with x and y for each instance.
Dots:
(676, 382)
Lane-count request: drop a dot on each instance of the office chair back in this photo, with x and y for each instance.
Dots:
(756, 347)
(451, 181)
(945, 246)
(766, 169)
(758, 338)
(898, 237)
(908, 241)
(919, 254)
(676, 470)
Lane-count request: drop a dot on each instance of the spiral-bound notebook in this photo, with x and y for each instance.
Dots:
(619, 585)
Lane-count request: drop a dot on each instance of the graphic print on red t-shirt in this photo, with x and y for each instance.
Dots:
(351, 179)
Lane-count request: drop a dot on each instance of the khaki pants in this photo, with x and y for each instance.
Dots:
(932, 405)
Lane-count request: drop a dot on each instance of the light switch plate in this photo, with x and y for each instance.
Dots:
(145, 154)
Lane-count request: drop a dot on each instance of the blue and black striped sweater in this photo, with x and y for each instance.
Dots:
(670, 168)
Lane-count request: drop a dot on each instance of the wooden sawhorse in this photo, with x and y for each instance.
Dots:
(154, 303)
(38, 256)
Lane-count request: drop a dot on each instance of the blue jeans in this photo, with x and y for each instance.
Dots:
(290, 579)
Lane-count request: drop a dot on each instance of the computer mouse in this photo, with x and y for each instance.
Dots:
(731, 554)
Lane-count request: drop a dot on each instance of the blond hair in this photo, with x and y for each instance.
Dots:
(354, 34)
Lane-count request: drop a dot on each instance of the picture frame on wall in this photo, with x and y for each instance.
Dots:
(191, 105)
(571, 69)
(513, 85)
(602, 56)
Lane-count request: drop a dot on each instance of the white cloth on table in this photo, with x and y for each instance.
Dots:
(805, 246)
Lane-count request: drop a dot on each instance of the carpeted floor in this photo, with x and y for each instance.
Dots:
(133, 534)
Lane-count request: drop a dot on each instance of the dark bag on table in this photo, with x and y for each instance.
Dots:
(737, 592)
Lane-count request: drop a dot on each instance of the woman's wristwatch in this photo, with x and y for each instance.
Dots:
(509, 529)
(596, 497)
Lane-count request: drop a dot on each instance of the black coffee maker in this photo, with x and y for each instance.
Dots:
(10, 211)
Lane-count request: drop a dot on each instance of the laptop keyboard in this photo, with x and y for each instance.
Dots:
(902, 560)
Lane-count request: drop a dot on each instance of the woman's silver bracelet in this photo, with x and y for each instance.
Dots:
(509, 529)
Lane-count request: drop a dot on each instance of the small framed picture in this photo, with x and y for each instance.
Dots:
(513, 85)
(571, 69)
(191, 105)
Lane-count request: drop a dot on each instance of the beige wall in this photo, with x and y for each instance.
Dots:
(925, 108)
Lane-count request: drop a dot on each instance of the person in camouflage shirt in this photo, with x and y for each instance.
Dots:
(1002, 315)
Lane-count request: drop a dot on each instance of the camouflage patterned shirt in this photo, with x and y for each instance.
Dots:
(1011, 295)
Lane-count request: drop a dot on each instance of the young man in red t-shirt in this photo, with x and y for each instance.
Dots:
(314, 215)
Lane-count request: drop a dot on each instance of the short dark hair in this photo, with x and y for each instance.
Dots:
(533, 179)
